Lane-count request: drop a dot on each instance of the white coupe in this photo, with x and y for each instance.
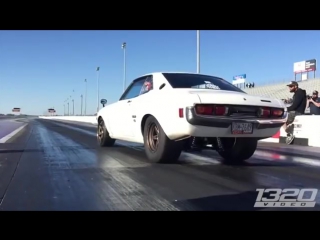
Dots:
(165, 110)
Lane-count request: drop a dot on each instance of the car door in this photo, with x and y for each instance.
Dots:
(124, 114)
(137, 107)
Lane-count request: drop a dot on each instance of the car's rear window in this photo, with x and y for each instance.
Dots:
(185, 80)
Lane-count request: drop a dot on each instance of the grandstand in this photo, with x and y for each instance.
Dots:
(281, 91)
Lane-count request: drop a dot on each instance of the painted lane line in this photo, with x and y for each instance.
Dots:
(10, 135)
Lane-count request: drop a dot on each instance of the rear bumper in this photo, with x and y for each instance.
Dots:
(223, 122)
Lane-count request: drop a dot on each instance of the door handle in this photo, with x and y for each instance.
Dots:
(129, 101)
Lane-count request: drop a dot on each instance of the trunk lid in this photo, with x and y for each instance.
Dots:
(234, 98)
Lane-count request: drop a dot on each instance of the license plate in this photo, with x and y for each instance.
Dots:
(241, 128)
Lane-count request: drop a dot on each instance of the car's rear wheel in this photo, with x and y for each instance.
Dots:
(237, 150)
(103, 137)
(158, 147)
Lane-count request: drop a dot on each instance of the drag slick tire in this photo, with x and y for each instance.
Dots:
(237, 150)
(158, 147)
(103, 137)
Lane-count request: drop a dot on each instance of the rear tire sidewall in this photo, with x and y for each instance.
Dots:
(168, 151)
(153, 156)
(106, 140)
(101, 125)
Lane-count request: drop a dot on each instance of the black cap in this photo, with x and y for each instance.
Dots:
(293, 83)
(315, 92)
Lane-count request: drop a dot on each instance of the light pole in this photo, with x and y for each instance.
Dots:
(68, 108)
(85, 98)
(72, 107)
(98, 68)
(198, 51)
(64, 107)
(124, 46)
(72, 102)
(81, 105)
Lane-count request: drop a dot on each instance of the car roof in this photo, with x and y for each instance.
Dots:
(156, 73)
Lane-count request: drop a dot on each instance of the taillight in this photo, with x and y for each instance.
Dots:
(208, 109)
(204, 109)
(265, 112)
(276, 112)
(270, 112)
(220, 110)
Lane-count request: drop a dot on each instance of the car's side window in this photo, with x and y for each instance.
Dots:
(147, 85)
(134, 90)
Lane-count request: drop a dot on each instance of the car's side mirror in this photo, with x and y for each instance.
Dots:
(103, 102)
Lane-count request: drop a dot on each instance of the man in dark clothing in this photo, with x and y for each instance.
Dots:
(298, 107)
(314, 103)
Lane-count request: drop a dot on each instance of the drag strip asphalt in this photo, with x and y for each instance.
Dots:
(55, 165)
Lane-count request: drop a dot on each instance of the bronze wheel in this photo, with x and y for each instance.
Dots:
(153, 137)
(158, 147)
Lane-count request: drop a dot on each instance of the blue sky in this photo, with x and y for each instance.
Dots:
(40, 69)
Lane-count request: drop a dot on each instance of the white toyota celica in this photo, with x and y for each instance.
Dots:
(163, 110)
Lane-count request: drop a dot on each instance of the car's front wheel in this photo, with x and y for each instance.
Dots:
(158, 147)
(103, 137)
(236, 150)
